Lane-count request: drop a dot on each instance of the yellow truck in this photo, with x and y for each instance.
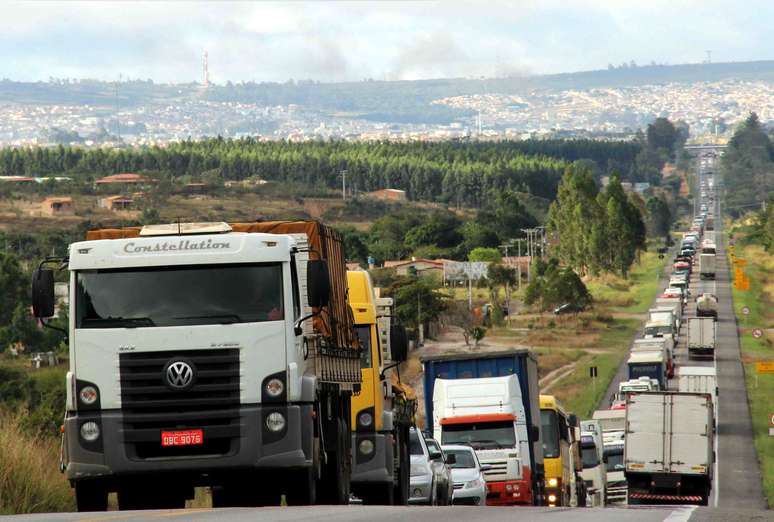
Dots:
(561, 454)
(384, 409)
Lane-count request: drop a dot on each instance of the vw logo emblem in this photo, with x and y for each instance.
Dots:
(179, 374)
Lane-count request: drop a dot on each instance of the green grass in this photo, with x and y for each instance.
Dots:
(760, 389)
(577, 391)
(635, 294)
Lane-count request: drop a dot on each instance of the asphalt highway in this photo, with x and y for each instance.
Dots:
(424, 514)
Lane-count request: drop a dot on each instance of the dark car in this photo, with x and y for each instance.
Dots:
(568, 308)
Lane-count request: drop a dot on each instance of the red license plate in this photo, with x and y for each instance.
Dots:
(182, 438)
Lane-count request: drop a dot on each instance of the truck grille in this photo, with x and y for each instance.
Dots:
(498, 468)
(149, 406)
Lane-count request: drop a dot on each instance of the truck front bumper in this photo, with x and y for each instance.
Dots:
(376, 466)
(508, 493)
(122, 452)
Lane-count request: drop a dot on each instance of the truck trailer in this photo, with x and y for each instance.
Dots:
(707, 266)
(701, 337)
(207, 354)
(517, 475)
(668, 451)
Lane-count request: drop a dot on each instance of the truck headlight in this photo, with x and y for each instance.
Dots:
(365, 419)
(275, 422)
(552, 498)
(90, 431)
(88, 395)
(275, 387)
(366, 447)
(552, 482)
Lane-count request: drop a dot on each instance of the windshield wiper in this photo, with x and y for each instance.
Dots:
(223, 318)
(128, 322)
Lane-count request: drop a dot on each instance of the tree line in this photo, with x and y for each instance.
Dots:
(457, 173)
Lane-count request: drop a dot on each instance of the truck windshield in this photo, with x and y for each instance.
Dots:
(179, 296)
(644, 370)
(364, 334)
(480, 435)
(549, 432)
(589, 455)
(614, 458)
(658, 331)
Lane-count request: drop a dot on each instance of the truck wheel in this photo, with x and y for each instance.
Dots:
(90, 496)
(334, 486)
(306, 492)
(403, 473)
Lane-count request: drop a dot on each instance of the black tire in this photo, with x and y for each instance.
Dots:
(90, 496)
(306, 492)
(403, 473)
(334, 488)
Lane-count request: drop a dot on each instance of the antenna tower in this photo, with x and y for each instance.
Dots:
(205, 71)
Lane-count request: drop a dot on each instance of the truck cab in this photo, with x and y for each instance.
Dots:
(648, 364)
(592, 454)
(199, 355)
(488, 414)
(560, 451)
(381, 413)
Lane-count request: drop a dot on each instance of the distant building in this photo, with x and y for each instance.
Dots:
(124, 179)
(116, 203)
(422, 266)
(58, 206)
(389, 194)
(195, 188)
(641, 186)
(16, 179)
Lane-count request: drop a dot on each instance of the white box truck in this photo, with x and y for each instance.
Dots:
(699, 379)
(707, 266)
(701, 337)
(668, 448)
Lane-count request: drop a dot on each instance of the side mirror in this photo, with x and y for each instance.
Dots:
(485, 467)
(572, 420)
(398, 343)
(434, 455)
(451, 458)
(318, 283)
(534, 433)
(43, 293)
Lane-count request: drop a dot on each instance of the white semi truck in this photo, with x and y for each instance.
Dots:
(613, 422)
(669, 449)
(207, 355)
(594, 468)
(707, 266)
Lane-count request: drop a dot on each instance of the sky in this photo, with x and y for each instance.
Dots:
(384, 40)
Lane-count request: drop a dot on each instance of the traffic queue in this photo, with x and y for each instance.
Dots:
(658, 434)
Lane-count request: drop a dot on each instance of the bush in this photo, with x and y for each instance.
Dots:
(28, 480)
(603, 317)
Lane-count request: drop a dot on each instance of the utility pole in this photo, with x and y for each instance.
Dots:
(343, 185)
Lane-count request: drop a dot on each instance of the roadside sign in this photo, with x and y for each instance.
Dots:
(740, 262)
(771, 419)
(661, 256)
(745, 310)
(764, 367)
(593, 371)
(757, 333)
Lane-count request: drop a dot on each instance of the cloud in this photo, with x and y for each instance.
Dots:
(332, 41)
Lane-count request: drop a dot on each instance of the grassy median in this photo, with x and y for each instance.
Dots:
(760, 388)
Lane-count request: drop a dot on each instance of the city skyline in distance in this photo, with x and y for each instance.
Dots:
(345, 41)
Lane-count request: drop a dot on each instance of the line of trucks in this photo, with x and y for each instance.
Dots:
(244, 357)
(657, 439)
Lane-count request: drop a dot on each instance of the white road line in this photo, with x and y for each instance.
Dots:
(680, 514)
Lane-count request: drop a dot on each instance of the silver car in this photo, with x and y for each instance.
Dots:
(467, 476)
(431, 482)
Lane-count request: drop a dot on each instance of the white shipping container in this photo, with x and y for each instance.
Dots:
(669, 433)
